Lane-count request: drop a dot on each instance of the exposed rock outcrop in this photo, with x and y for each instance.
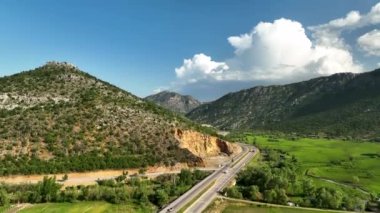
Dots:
(204, 145)
(174, 101)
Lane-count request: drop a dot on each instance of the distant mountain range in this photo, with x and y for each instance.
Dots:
(57, 118)
(174, 101)
(343, 104)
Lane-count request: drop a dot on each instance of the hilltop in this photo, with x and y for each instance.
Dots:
(57, 118)
(174, 101)
(343, 104)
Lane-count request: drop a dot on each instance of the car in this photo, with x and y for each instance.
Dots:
(171, 210)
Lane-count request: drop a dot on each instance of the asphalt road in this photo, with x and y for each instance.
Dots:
(221, 177)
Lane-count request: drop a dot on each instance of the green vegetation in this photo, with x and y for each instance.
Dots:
(231, 206)
(277, 179)
(140, 193)
(342, 105)
(57, 119)
(90, 207)
(351, 163)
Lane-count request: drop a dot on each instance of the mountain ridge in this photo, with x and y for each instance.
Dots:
(57, 118)
(325, 105)
(174, 101)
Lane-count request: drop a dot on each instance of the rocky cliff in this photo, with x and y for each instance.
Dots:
(174, 101)
(204, 146)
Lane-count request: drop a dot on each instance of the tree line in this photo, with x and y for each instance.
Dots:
(278, 181)
(158, 192)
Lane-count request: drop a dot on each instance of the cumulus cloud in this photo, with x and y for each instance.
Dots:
(370, 42)
(200, 67)
(282, 52)
(329, 33)
(277, 52)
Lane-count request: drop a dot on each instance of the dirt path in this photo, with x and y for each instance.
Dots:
(341, 184)
(89, 178)
(18, 207)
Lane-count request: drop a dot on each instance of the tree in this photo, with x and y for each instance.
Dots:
(120, 178)
(142, 171)
(160, 197)
(355, 180)
(281, 197)
(254, 193)
(48, 189)
(270, 195)
(4, 198)
(65, 177)
(308, 187)
(234, 192)
(185, 177)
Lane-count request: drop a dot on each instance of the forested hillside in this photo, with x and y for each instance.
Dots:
(57, 118)
(339, 105)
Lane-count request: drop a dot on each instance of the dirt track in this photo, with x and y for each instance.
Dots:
(89, 178)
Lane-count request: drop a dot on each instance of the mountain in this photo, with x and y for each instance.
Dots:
(57, 118)
(343, 104)
(174, 101)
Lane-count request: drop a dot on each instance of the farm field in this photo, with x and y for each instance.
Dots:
(88, 207)
(229, 206)
(348, 162)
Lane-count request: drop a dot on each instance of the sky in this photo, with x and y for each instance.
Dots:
(202, 48)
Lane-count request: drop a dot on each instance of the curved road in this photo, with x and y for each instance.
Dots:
(220, 178)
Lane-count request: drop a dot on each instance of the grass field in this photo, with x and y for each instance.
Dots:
(88, 207)
(332, 159)
(228, 206)
(246, 208)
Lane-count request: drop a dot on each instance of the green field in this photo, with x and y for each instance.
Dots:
(246, 208)
(229, 206)
(88, 207)
(332, 159)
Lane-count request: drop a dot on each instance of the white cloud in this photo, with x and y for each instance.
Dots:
(370, 42)
(241, 42)
(199, 67)
(282, 52)
(329, 33)
(160, 89)
(275, 52)
(352, 18)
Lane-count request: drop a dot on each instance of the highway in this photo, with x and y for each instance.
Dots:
(220, 178)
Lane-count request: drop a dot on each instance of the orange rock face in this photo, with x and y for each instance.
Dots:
(204, 145)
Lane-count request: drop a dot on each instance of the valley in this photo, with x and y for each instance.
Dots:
(166, 106)
(344, 105)
(94, 142)
(353, 163)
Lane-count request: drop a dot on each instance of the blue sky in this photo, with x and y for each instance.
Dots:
(137, 45)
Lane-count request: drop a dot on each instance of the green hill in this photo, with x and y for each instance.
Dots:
(339, 105)
(57, 118)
